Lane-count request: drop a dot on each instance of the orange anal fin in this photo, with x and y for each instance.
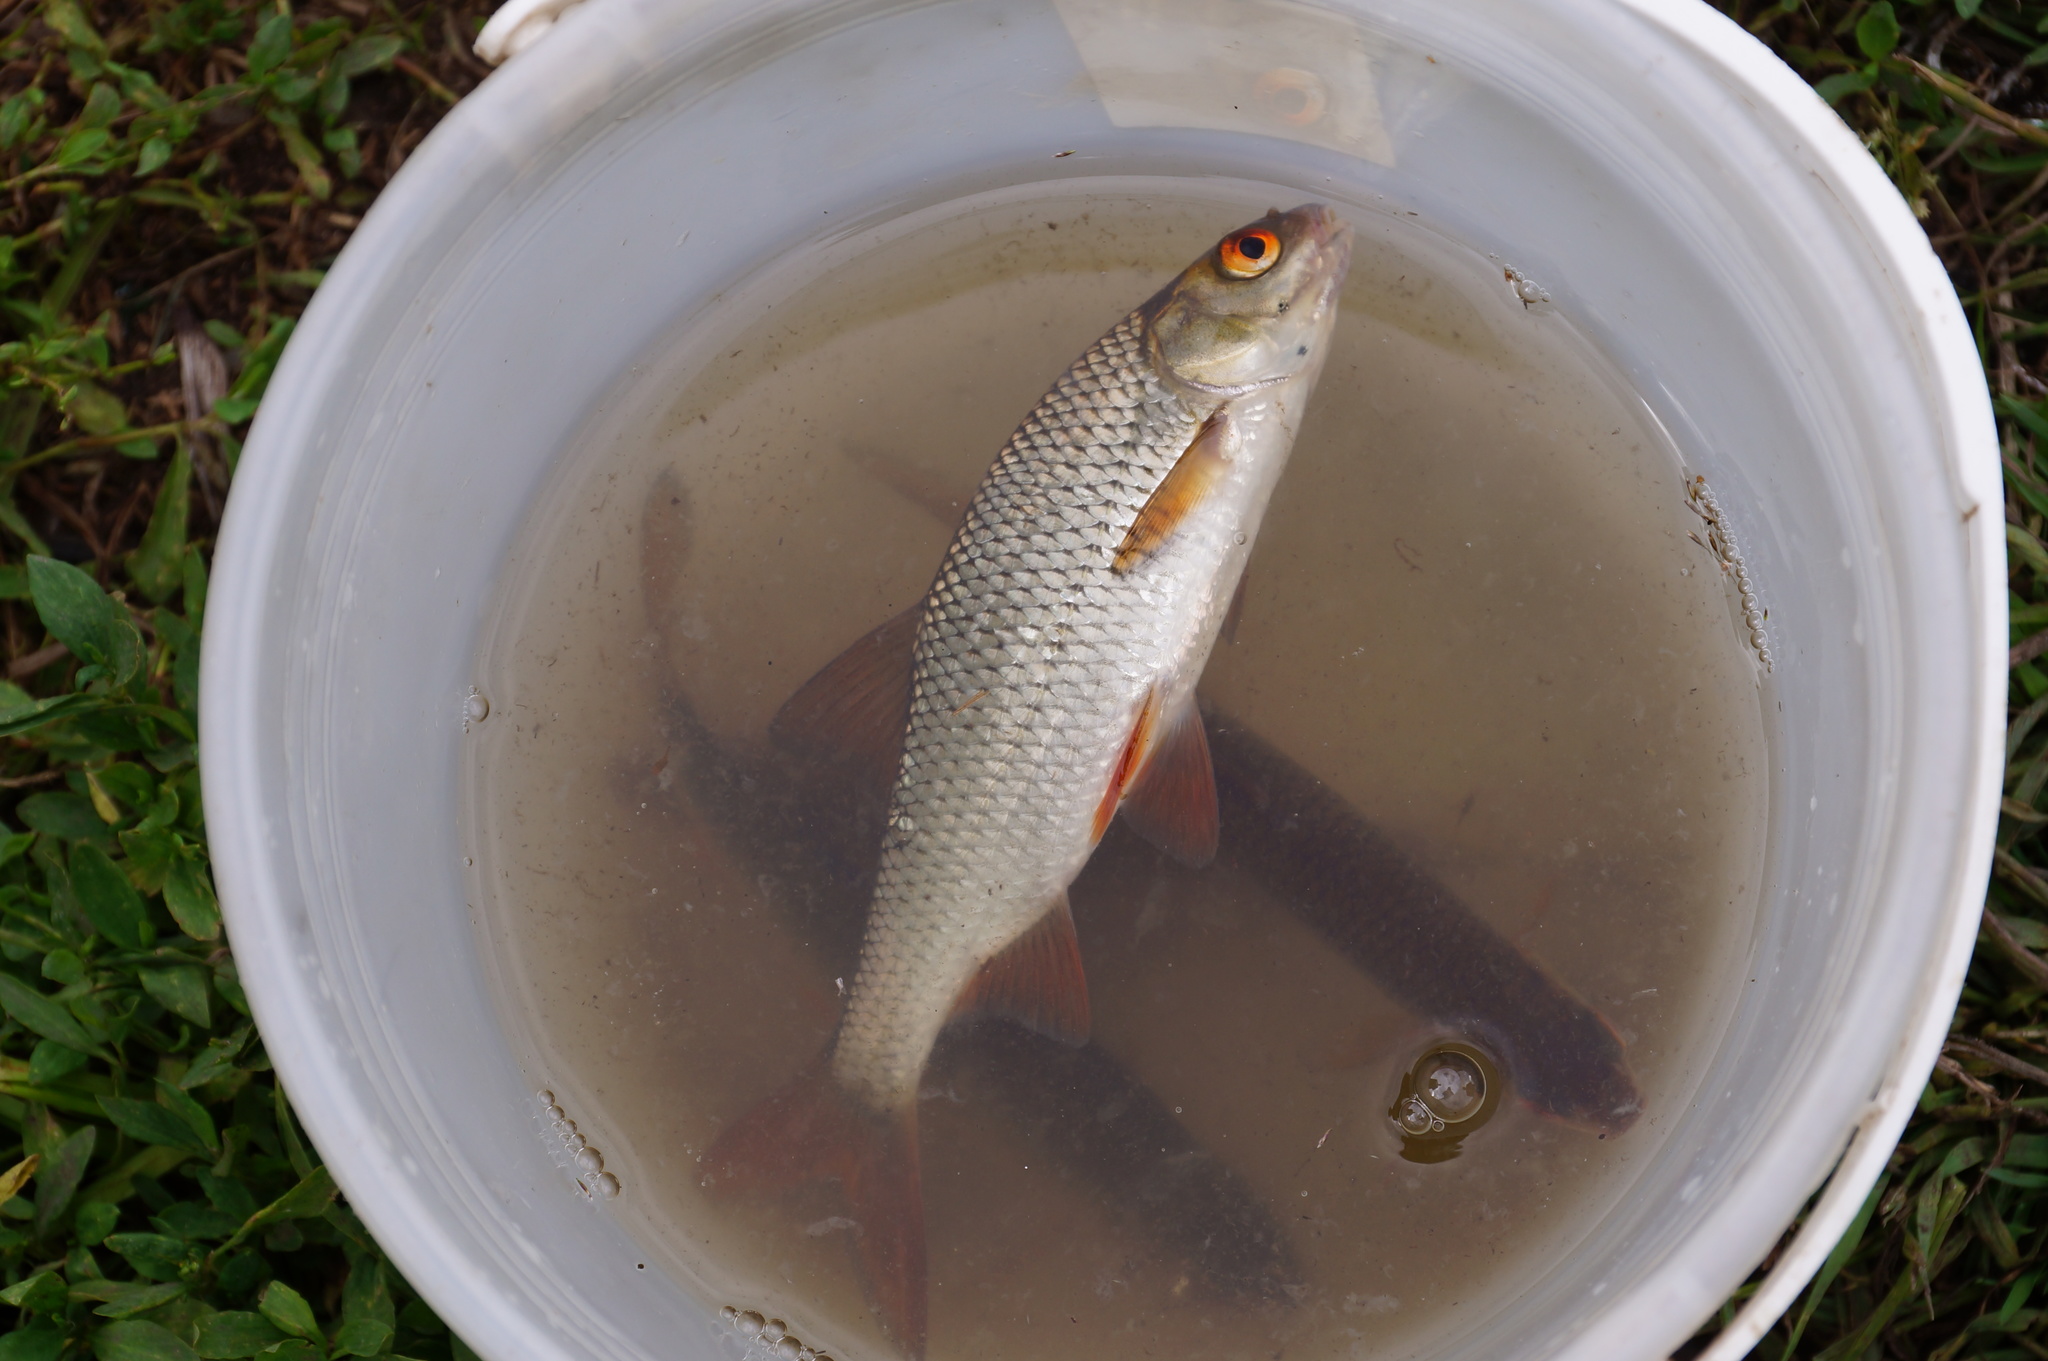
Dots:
(1037, 981)
(1127, 763)
(812, 1131)
(1186, 485)
(1172, 802)
(858, 703)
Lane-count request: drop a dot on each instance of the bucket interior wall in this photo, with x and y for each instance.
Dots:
(647, 156)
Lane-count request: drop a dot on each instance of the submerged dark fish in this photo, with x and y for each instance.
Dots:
(1410, 934)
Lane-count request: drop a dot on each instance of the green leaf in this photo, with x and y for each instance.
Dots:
(58, 1177)
(1877, 32)
(84, 618)
(52, 1062)
(70, 24)
(288, 1309)
(363, 1337)
(272, 46)
(367, 1299)
(79, 147)
(136, 1299)
(94, 1221)
(1838, 87)
(42, 1015)
(140, 1340)
(333, 102)
(303, 154)
(157, 564)
(373, 52)
(152, 852)
(234, 410)
(2027, 1150)
(67, 816)
(155, 1255)
(96, 410)
(188, 893)
(180, 991)
(32, 1344)
(180, 1103)
(2028, 1179)
(217, 1060)
(196, 1223)
(1967, 9)
(42, 1293)
(155, 152)
(149, 1123)
(309, 1198)
(235, 1333)
(16, 719)
(102, 105)
(256, 370)
(109, 901)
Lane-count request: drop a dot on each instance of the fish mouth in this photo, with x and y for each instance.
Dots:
(1330, 237)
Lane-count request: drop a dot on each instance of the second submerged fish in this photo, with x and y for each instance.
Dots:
(1053, 685)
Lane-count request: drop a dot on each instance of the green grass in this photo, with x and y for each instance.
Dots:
(174, 178)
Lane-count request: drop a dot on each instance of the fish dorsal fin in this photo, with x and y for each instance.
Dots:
(1172, 802)
(857, 704)
(1036, 981)
(1186, 485)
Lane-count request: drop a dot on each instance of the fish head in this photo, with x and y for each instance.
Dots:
(1257, 308)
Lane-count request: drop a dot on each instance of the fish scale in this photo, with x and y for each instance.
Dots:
(1020, 702)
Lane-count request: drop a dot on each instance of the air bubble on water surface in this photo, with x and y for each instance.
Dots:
(475, 708)
(774, 1330)
(1453, 1087)
(1451, 1090)
(605, 1187)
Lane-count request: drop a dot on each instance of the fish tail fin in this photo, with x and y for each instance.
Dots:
(814, 1130)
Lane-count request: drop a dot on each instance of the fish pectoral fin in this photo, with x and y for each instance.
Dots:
(1186, 485)
(857, 704)
(813, 1130)
(1172, 801)
(1037, 981)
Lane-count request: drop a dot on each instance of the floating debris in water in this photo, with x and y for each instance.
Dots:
(1720, 541)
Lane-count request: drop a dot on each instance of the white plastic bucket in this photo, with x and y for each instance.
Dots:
(1683, 198)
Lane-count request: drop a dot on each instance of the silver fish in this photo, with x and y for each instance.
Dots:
(1053, 685)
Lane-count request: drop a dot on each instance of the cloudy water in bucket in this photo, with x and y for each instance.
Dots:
(1490, 755)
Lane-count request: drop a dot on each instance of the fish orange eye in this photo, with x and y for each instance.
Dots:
(1250, 253)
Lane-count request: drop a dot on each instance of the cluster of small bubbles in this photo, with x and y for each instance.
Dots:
(772, 1333)
(1415, 1117)
(1720, 541)
(1527, 290)
(573, 1153)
